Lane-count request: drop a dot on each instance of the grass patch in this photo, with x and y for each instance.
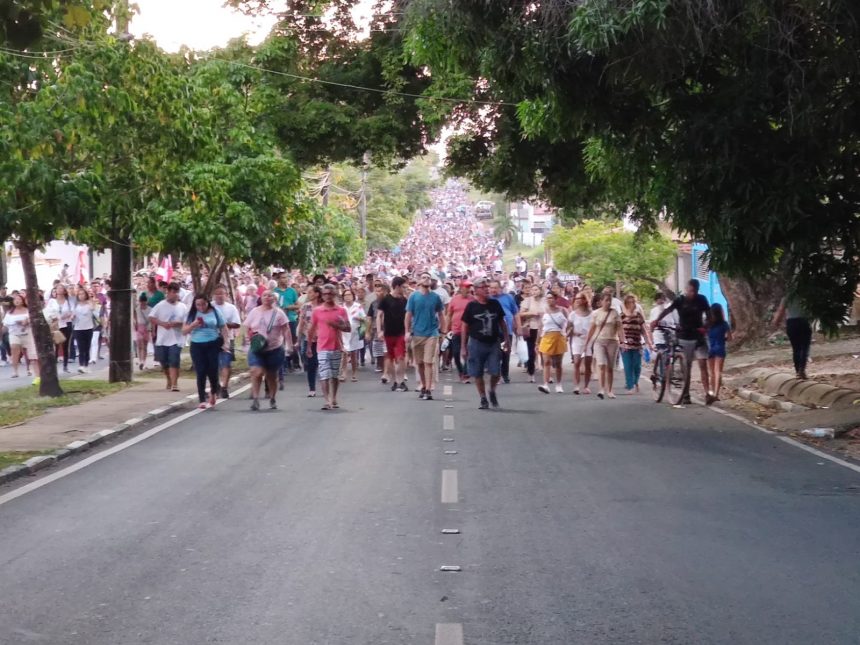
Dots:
(186, 370)
(13, 458)
(25, 403)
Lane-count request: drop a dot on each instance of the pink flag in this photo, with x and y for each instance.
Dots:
(165, 271)
(81, 268)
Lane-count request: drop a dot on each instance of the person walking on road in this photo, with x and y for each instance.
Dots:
(84, 323)
(694, 318)
(551, 342)
(230, 315)
(268, 331)
(531, 312)
(142, 329)
(799, 332)
(604, 338)
(327, 322)
(454, 311)
(307, 347)
(719, 334)
(61, 308)
(580, 324)
(353, 340)
(509, 306)
(208, 339)
(634, 331)
(391, 327)
(288, 301)
(17, 322)
(484, 338)
(424, 322)
(166, 317)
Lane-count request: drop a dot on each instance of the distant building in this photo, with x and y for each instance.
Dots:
(533, 222)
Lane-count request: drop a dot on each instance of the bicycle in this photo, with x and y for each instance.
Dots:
(670, 370)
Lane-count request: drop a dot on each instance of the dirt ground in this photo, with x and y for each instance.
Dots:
(834, 362)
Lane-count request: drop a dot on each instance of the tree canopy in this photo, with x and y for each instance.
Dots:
(604, 253)
(736, 121)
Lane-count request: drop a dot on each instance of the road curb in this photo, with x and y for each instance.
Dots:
(770, 401)
(35, 464)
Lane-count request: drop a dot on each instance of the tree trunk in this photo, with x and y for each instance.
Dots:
(121, 364)
(215, 274)
(752, 304)
(50, 381)
(194, 265)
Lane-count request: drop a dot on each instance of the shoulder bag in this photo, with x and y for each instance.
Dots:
(258, 340)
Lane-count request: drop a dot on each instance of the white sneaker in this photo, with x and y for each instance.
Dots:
(81, 370)
(559, 389)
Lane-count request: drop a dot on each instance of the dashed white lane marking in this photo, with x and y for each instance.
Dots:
(448, 422)
(450, 492)
(18, 492)
(447, 390)
(449, 634)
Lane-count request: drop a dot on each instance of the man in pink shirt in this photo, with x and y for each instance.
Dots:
(455, 310)
(327, 322)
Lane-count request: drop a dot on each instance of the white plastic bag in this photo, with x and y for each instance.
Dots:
(522, 351)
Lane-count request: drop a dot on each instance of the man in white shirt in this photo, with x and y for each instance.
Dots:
(440, 291)
(230, 315)
(497, 265)
(661, 303)
(168, 317)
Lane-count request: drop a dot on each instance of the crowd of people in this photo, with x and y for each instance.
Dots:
(442, 300)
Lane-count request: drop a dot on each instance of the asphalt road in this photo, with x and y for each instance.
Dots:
(581, 522)
(99, 371)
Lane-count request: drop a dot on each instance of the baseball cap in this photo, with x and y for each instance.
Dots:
(465, 283)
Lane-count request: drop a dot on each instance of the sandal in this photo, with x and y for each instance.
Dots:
(325, 408)
(355, 379)
(174, 389)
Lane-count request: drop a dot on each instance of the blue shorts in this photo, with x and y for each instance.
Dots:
(168, 355)
(484, 356)
(225, 359)
(270, 361)
(717, 352)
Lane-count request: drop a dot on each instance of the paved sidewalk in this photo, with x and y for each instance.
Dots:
(60, 426)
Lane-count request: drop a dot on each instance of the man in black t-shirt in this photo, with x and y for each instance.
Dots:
(484, 338)
(694, 318)
(391, 327)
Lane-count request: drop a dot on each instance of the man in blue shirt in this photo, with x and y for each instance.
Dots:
(509, 306)
(287, 298)
(424, 321)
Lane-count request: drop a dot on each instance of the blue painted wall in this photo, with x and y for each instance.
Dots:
(710, 281)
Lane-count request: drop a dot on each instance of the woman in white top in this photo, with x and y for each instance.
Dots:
(352, 339)
(85, 322)
(580, 324)
(17, 323)
(61, 308)
(531, 311)
(604, 337)
(552, 342)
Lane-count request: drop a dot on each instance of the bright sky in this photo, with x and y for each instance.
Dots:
(199, 24)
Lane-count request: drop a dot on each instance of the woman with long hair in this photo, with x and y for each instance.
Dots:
(311, 361)
(552, 342)
(142, 328)
(719, 333)
(84, 323)
(61, 309)
(531, 312)
(580, 323)
(17, 322)
(634, 330)
(604, 338)
(352, 339)
(208, 340)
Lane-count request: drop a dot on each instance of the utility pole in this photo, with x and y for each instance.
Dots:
(326, 187)
(362, 197)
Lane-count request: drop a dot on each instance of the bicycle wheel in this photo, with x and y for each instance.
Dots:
(658, 377)
(678, 378)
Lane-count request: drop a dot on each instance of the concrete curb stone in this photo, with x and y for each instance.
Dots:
(770, 402)
(34, 464)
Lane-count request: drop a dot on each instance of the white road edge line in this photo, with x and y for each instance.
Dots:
(788, 440)
(447, 390)
(449, 634)
(447, 421)
(450, 492)
(19, 492)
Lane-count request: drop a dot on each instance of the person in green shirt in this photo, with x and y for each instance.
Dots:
(287, 300)
(153, 293)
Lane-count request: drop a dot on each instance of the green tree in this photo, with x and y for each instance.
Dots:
(504, 228)
(604, 253)
(734, 120)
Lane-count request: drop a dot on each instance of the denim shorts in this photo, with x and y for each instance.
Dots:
(225, 359)
(484, 356)
(168, 355)
(270, 361)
